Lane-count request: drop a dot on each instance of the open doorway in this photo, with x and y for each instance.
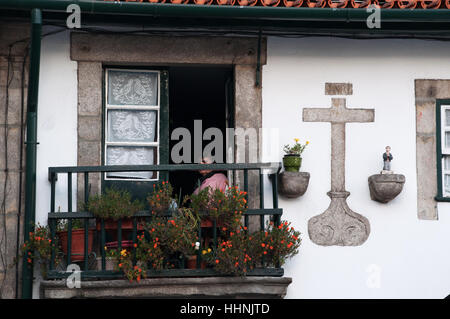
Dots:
(198, 93)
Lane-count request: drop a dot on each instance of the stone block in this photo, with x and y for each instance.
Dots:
(90, 88)
(90, 128)
(15, 75)
(13, 151)
(89, 153)
(14, 106)
(338, 88)
(166, 49)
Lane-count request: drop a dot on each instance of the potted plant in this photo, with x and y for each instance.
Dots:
(239, 251)
(224, 207)
(278, 243)
(78, 236)
(235, 254)
(174, 237)
(39, 247)
(113, 205)
(160, 200)
(123, 261)
(292, 159)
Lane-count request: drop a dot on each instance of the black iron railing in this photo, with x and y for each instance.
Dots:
(271, 169)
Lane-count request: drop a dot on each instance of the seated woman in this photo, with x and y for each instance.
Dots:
(213, 179)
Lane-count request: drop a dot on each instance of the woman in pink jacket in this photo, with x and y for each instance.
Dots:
(213, 179)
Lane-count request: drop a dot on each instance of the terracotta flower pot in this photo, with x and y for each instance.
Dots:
(191, 262)
(77, 252)
(206, 222)
(292, 163)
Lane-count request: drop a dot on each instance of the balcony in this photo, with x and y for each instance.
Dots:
(97, 280)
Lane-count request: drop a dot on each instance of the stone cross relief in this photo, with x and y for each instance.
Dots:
(338, 225)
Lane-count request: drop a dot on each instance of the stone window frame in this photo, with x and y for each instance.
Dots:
(427, 93)
(94, 51)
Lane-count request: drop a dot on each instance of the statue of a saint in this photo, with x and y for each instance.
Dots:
(387, 158)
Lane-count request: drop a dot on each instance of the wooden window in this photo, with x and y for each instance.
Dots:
(443, 149)
(132, 118)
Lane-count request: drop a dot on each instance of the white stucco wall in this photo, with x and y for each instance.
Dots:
(57, 120)
(411, 254)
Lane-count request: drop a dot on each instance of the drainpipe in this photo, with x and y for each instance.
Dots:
(31, 143)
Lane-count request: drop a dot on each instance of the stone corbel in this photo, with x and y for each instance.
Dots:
(385, 187)
(293, 184)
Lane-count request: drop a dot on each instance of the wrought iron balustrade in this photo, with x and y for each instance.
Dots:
(272, 169)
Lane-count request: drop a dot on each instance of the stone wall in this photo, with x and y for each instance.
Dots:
(12, 97)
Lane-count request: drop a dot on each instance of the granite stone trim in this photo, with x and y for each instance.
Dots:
(426, 93)
(338, 88)
(164, 50)
(211, 287)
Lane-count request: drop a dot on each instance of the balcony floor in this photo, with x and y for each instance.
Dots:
(206, 287)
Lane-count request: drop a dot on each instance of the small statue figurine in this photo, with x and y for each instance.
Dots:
(387, 158)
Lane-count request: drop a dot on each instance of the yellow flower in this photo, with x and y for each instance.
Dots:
(106, 248)
(296, 139)
(209, 250)
(123, 252)
(307, 142)
(203, 252)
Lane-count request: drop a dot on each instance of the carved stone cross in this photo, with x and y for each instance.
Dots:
(338, 225)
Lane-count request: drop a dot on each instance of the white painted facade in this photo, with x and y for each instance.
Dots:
(409, 256)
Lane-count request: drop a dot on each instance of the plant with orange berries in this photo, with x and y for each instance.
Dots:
(161, 197)
(40, 246)
(176, 234)
(125, 264)
(225, 207)
(235, 253)
(278, 243)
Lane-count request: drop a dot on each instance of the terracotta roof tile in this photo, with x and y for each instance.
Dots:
(384, 4)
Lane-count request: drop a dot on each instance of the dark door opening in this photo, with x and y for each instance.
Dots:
(198, 93)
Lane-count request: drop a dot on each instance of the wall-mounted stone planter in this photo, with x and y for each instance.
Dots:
(385, 187)
(292, 184)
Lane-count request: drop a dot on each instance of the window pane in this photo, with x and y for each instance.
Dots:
(446, 160)
(447, 117)
(127, 155)
(447, 183)
(131, 126)
(447, 139)
(132, 88)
